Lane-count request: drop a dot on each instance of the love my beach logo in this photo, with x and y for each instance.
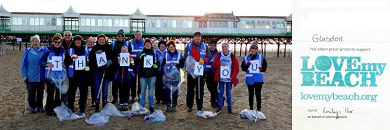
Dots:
(339, 71)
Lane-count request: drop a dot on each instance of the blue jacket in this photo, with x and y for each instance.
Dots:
(160, 56)
(33, 64)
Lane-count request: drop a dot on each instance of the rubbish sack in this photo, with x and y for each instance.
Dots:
(111, 110)
(251, 115)
(97, 119)
(60, 80)
(206, 114)
(171, 77)
(190, 66)
(137, 110)
(64, 113)
(156, 116)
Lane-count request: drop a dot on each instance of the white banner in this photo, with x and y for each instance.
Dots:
(124, 59)
(57, 62)
(101, 59)
(225, 72)
(80, 63)
(148, 61)
(198, 70)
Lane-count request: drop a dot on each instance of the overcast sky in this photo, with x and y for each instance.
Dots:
(155, 7)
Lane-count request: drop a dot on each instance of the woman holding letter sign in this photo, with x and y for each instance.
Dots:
(148, 65)
(171, 84)
(254, 65)
(102, 61)
(54, 62)
(227, 69)
(77, 74)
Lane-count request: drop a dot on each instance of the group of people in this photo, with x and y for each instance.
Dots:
(135, 65)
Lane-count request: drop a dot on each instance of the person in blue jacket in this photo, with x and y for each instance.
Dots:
(53, 94)
(116, 47)
(136, 45)
(176, 58)
(160, 90)
(254, 80)
(33, 73)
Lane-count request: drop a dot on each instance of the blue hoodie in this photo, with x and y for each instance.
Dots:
(32, 65)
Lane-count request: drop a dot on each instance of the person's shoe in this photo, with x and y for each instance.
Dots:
(230, 110)
(82, 114)
(32, 110)
(40, 109)
(125, 108)
(114, 101)
(169, 108)
(189, 110)
(219, 109)
(173, 108)
(214, 105)
(151, 109)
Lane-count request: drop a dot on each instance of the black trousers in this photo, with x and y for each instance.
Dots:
(114, 90)
(160, 89)
(35, 94)
(133, 87)
(192, 85)
(90, 82)
(212, 86)
(53, 97)
(78, 81)
(255, 89)
(124, 91)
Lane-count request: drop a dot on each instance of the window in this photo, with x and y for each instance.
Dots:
(5, 23)
(31, 21)
(53, 22)
(48, 22)
(82, 22)
(59, 21)
(121, 22)
(71, 23)
(234, 24)
(263, 25)
(14, 21)
(25, 21)
(104, 22)
(88, 22)
(126, 22)
(268, 25)
(116, 23)
(189, 24)
(273, 25)
(109, 22)
(258, 24)
(169, 24)
(153, 23)
(36, 21)
(218, 24)
(100, 22)
(173, 23)
(185, 24)
(137, 24)
(158, 24)
(93, 22)
(203, 24)
(243, 24)
(164, 23)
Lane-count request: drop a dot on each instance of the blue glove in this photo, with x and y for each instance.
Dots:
(109, 62)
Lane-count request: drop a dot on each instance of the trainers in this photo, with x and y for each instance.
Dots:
(219, 109)
(82, 114)
(41, 109)
(32, 110)
(151, 109)
(168, 108)
(114, 101)
(230, 110)
(189, 110)
(173, 108)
